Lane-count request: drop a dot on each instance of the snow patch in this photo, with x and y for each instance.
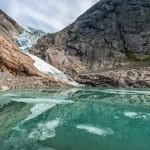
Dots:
(46, 68)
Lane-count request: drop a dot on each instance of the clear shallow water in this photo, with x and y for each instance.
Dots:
(75, 119)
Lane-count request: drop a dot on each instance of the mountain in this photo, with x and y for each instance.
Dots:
(12, 60)
(108, 45)
(17, 69)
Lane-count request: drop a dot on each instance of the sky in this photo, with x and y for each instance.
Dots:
(47, 15)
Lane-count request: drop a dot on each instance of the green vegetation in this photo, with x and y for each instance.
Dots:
(132, 57)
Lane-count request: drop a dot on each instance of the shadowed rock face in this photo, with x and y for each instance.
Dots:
(112, 34)
(119, 25)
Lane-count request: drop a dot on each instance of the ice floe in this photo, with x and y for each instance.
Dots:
(39, 109)
(42, 100)
(137, 115)
(95, 130)
(125, 91)
(45, 130)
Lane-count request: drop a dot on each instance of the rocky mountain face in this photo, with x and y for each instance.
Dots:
(112, 35)
(11, 59)
(17, 69)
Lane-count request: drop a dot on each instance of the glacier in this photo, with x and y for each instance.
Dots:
(26, 40)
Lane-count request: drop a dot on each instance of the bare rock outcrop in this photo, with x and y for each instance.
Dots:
(112, 35)
(14, 61)
(17, 69)
(120, 78)
(11, 59)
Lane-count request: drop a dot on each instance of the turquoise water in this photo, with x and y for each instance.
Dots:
(75, 119)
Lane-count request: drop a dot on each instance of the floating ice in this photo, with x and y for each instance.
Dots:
(42, 100)
(136, 115)
(45, 130)
(39, 109)
(131, 114)
(41, 105)
(125, 91)
(65, 93)
(95, 130)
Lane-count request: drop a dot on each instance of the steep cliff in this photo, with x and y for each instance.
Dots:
(111, 35)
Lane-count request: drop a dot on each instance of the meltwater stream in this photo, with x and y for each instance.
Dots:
(26, 40)
(75, 119)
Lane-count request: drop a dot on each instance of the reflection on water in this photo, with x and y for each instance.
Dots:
(75, 119)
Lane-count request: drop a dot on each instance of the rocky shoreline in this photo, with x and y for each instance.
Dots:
(10, 82)
(121, 78)
(131, 78)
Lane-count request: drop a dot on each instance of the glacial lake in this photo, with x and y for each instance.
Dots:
(75, 119)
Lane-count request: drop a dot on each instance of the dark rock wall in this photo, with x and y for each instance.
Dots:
(109, 32)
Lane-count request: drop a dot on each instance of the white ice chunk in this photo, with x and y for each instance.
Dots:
(137, 115)
(96, 130)
(39, 109)
(42, 100)
(45, 130)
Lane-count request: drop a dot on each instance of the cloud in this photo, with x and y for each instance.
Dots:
(48, 15)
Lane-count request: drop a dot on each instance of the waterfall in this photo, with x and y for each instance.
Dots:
(28, 38)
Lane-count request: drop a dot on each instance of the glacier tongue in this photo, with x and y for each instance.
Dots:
(28, 38)
(47, 68)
